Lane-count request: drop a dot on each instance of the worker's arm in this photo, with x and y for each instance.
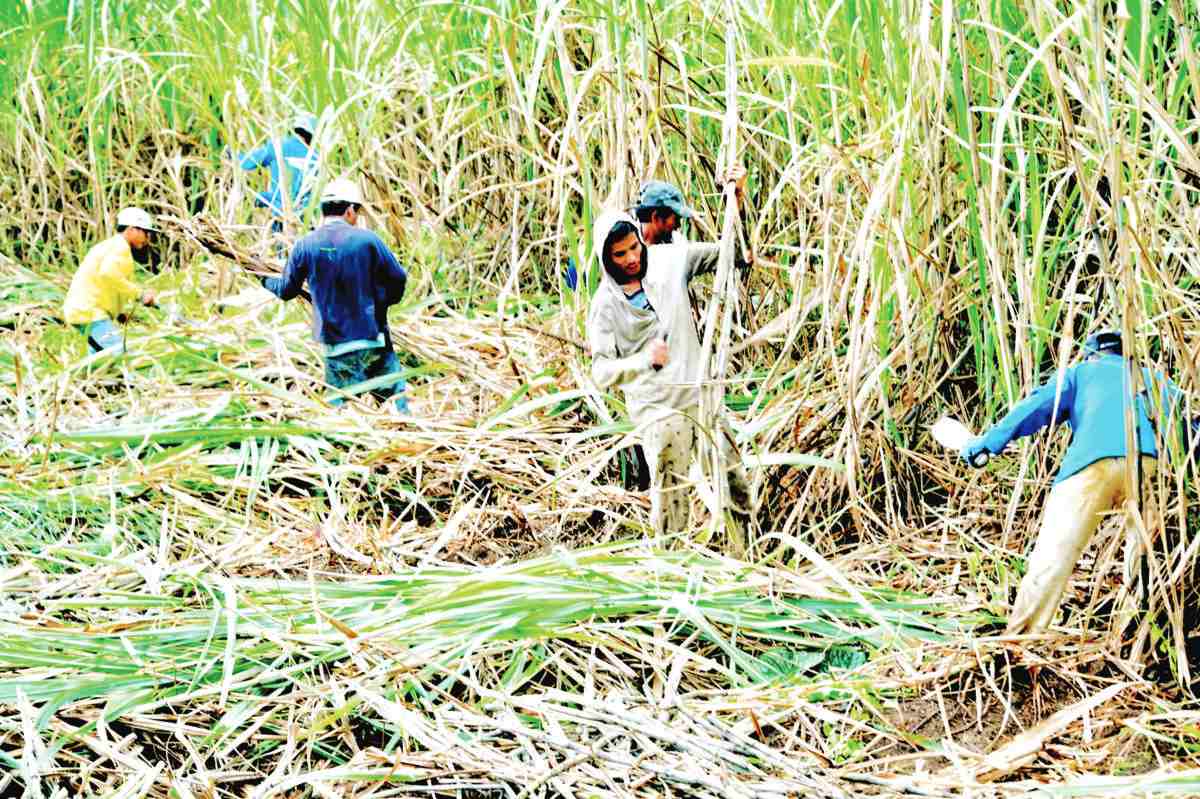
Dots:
(288, 285)
(391, 276)
(262, 155)
(702, 258)
(1047, 406)
(608, 368)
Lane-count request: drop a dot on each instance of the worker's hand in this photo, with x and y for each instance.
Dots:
(658, 353)
(149, 298)
(736, 175)
(976, 452)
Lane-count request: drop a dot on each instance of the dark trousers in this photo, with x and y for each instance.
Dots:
(635, 469)
(342, 371)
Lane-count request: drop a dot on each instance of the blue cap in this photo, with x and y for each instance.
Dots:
(1104, 342)
(660, 194)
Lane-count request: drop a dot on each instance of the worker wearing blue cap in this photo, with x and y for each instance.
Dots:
(1092, 398)
(660, 209)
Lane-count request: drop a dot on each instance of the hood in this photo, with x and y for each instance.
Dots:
(600, 230)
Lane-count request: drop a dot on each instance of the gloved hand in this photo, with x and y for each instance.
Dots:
(976, 452)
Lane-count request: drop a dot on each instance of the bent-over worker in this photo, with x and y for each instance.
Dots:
(292, 162)
(103, 286)
(1091, 397)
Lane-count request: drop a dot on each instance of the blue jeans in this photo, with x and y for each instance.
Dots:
(280, 248)
(343, 371)
(103, 334)
(571, 275)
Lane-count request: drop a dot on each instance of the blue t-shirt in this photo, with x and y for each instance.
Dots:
(299, 174)
(1092, 401)
(353, 278)
(639, 300)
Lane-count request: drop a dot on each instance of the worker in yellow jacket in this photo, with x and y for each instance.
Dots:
(104, 284)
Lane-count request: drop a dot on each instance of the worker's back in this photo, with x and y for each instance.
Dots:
(297, 172)
(353, 278)
(103, 283)
(1095, 396)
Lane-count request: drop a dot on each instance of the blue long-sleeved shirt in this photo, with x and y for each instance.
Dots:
(299, 174)
(1093, 398)
(353, 278)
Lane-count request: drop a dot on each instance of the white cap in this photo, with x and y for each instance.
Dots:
(306, 122)
(342, 191)
(136, 217)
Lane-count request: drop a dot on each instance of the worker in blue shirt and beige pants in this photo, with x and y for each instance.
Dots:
(1091, 397)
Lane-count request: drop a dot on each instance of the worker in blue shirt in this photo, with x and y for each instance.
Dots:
(292, 162)
(353, 278)
(1091, 397)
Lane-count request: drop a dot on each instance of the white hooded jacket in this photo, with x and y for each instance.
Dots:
(620, 334)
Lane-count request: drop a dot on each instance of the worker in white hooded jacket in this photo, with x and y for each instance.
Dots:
(644, 340)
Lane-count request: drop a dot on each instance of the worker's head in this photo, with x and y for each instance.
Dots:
(139, 230)
(618, 246)
(659, 209)
(658, 224)
(1106, 342)
(305, 126)
(624, 254)
(342, 198)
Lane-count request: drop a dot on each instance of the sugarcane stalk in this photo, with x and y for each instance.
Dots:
(719, 314)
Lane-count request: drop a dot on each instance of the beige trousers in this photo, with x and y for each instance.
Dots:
(671, 444)
(1074, 509)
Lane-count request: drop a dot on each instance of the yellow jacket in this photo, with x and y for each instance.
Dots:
(103, 284)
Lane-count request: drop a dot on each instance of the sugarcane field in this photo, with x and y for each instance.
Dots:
(599, 398)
